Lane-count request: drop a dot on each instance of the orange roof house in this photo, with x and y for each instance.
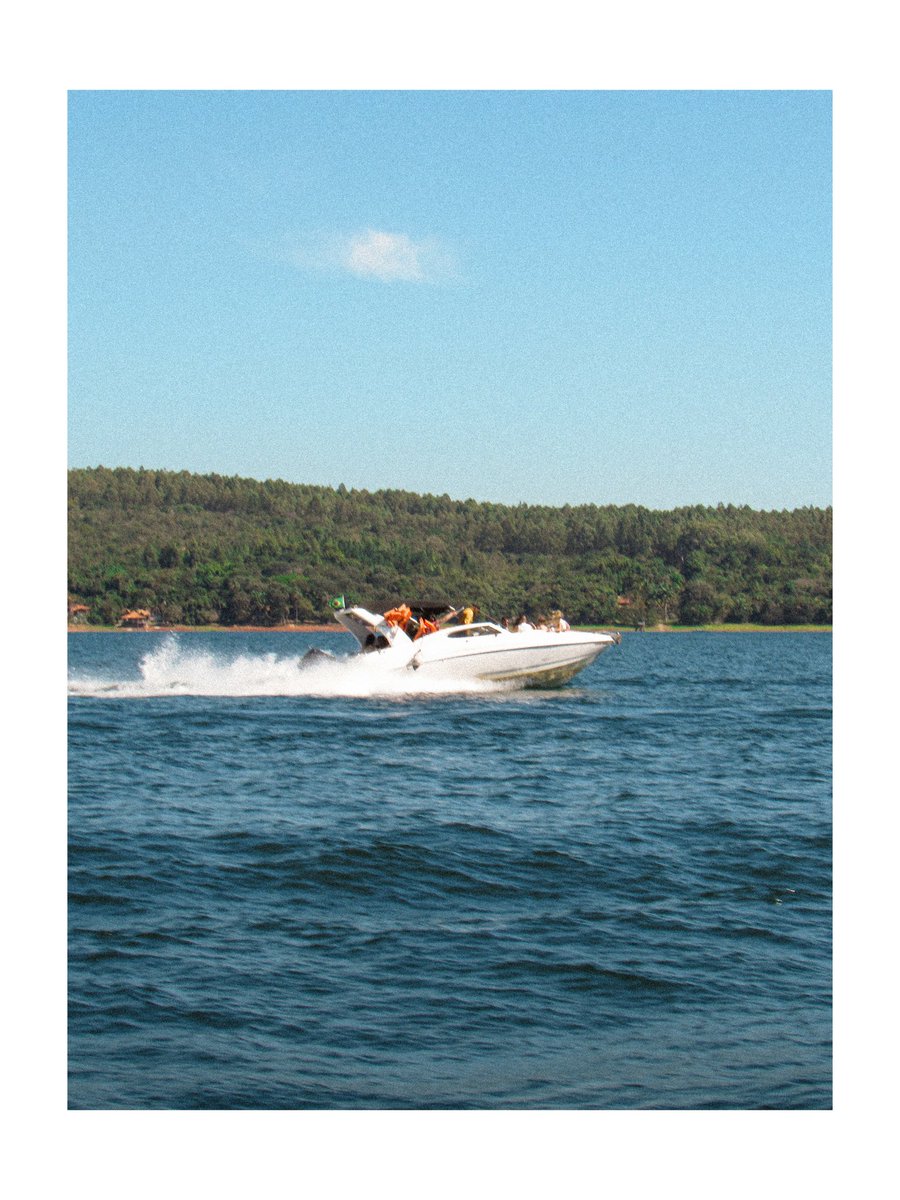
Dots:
(138, 618)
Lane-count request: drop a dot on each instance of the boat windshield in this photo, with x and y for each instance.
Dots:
(475, 631)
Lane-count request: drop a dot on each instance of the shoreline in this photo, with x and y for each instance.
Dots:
(335, 628)
(209, 629)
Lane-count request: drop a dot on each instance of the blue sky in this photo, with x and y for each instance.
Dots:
(550, 297)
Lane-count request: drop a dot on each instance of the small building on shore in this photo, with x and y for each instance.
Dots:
(137, 618)
(78, 613)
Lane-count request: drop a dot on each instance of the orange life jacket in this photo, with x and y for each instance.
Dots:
(399, 615)
(425, 626)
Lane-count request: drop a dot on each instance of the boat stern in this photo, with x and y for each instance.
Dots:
(374, 634)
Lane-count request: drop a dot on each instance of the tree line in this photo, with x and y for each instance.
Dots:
(211, 549)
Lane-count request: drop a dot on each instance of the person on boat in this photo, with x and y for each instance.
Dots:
(558, 622)
(399, 615)
(468, 614)
(425, 626)
(523, 625)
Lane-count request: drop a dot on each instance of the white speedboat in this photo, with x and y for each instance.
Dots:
(480, 650)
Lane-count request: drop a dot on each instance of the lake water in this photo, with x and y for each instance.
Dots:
(288, 889)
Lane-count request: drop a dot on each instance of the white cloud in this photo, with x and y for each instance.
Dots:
(374, 254)
(386, 255)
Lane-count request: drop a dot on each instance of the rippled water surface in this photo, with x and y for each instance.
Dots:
(309, 888)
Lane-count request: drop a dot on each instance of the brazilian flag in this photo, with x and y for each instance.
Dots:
(338, 602)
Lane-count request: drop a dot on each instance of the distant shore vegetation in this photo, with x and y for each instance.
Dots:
(202, 550)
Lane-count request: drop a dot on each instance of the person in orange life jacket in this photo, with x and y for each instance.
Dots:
(398, 616)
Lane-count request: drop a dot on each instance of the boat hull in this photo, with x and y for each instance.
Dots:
(537, 666)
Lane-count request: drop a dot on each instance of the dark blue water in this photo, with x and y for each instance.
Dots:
(287, 892)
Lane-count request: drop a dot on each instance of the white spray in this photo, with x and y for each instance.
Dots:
(175, 669)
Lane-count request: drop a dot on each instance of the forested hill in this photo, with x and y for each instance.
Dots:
(202, 549)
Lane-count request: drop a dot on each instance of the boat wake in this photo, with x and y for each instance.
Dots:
(171, 669)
